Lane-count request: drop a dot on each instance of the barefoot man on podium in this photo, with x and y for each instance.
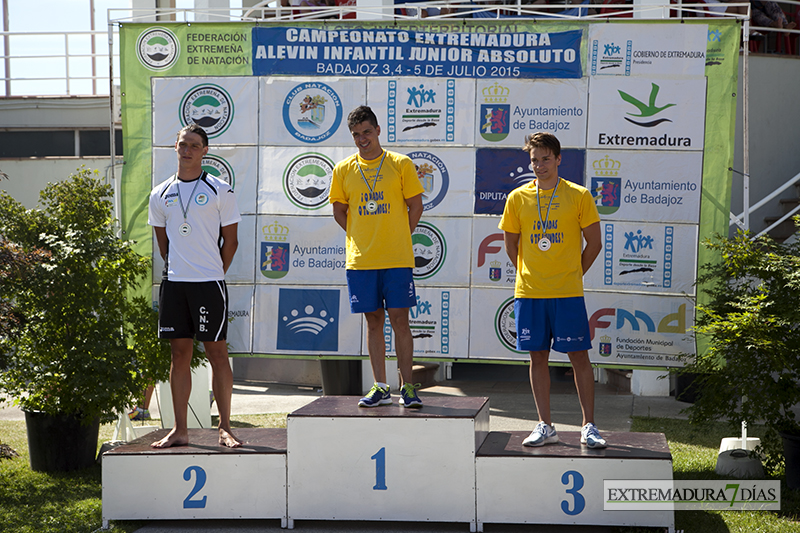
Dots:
(195, 218)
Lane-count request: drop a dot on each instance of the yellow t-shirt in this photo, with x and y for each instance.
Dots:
(557, 272)
(382, 239)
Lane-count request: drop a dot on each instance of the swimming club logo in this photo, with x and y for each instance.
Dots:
(495, 113)
(430, 250)
(606, 186)
(612, 59)
(307, 180)
(274, 258)
(157, 49)
(505, 325)
(308, 320)
(434, 176)
(209, 106)
(312, 112)
(648, 110)
(201, 198)
(219, 168)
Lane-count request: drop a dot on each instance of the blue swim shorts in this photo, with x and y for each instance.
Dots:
(389, 288)
(560, 324)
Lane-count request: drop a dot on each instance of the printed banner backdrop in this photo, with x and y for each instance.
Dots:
(306, 112)
(227, 108)
(651, 143)
(651, 258)
(440, 255)
(646, 113)
(439, 324)
(447, 174)
(639, 185)
(305, 321)
(507, 111)
(423, 110)
(237, 165)
(491, 266)
(297, 180)
(240, 314)
(666, 50)
(242, 268)
(393, 52)
(498, 171)
(636, 330)
(298, 250)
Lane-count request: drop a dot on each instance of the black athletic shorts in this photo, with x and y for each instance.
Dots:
(188, 309)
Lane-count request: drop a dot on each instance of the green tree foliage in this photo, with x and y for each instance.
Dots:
(751, 370)
(66, 319)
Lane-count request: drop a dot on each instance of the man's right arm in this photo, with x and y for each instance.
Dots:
(162, 240)
(511, 240)
(340, 214)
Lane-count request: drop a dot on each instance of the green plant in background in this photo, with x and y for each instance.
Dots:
(751, 370)
(66, 351)
(153, 355)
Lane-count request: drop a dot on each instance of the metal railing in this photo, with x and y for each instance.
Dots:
(739, 219)
(77, 61)
(79, 65)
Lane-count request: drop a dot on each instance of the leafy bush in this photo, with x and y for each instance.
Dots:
(751, 370)
(65, 317)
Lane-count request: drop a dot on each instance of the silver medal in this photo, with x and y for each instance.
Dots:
(184, 229)
(544, 244)
(372, 206)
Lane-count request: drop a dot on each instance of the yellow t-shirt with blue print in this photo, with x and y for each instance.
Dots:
(556, 273)
(382, 239)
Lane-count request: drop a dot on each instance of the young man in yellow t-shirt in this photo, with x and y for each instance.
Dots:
(377, 200)
(545, 223)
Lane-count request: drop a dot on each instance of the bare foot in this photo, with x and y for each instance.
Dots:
(173, 438)
(226, 438)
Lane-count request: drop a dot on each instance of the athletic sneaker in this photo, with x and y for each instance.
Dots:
(376, 396)
(591, 437)
(408, 396)
(542, 434)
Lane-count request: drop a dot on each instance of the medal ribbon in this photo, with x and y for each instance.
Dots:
(189, 203)
(539, 207)
(377, 172)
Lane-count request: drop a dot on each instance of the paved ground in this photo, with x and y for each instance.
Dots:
(511, 409)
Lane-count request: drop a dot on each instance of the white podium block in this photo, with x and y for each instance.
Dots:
(198, 413)
(387, 462)
(200, 481)
(562, 483)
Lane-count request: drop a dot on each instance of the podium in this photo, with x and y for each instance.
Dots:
(386, 462)
(562, 483)
(336, 461)
(200, 481)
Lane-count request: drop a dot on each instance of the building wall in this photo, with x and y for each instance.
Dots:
(774, 133)
(26, 177)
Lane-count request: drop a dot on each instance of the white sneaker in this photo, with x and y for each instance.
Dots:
(541, 435)
(591, 437)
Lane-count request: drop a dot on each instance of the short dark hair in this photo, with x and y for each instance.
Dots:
(361, 114)
(542, 139)
(194, 128)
